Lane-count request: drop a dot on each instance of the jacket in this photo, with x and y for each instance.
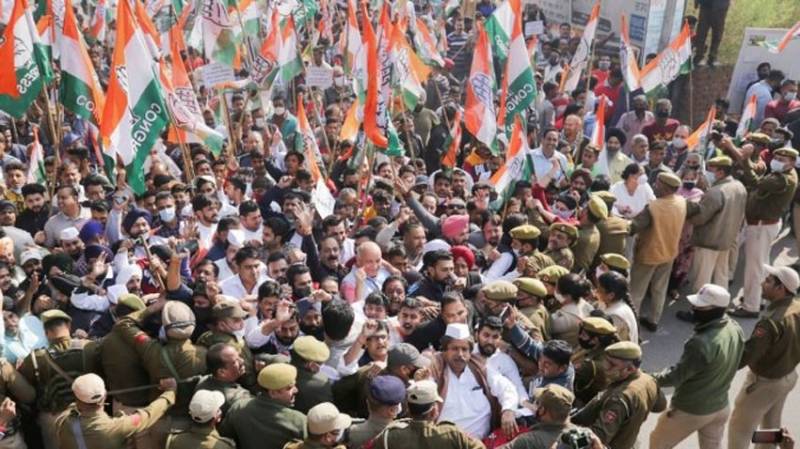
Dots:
(718, 217)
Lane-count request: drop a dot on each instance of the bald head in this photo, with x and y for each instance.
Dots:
(368, 257)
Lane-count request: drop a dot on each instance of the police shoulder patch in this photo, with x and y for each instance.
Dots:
(610, 416)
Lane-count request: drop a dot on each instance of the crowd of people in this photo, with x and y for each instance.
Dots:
(424, 308)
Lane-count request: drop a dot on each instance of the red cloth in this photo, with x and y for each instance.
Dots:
(497, 438)
(654, 131)
(779, 108)
(601, 75)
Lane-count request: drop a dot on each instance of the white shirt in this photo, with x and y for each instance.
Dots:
(468, 407)
(233, 286)
(206, 234)
(505, 365)
(619, 312)
(636, 202)
(225, 271)
(348, 250)
(253, 235)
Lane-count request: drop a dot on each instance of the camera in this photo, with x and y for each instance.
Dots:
(575, 439)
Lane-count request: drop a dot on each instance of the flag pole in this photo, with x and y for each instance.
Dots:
(691, 99)
(227, 115)
(331, 150)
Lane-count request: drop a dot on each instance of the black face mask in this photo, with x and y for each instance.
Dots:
(662, 114)
(301, 293)
(689, 185)
(707, 316)
(314, 331)
(585, 344)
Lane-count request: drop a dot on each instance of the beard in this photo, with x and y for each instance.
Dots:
(314, 331)
(487, 350)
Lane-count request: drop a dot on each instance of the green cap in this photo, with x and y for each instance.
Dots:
(625, 350)
(500, 291)
(525, 232)
(54, 314)
(277, 376)
(531, 286)
(311, 349)
(599, 326)
(615, 260)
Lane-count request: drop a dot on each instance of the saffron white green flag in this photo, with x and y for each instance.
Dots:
(80, 90)
(674, 60)
(499, 27)
(289, 62)
(135, 112)
(220, 39)
(519, 85)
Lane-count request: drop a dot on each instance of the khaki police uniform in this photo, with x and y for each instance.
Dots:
(13, 385)
(771, 355)
(199, 436)
(97, 430)
(769, 196)
(421, 434)
(312, 387)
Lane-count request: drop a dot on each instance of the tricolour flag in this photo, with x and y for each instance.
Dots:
(250, 13)
(97, 27)
(700, 135)
(630, 68)
(480, 115)
(375, 108)
(409, 71)
(349, 130)
(793, 33)
(46, 29)
(352, 38)
(80, 90)
(321, 196)
(190, 127)
(519, 86)
(36, 173)
(598, 138)
(21, 77)
(746, 121)
(426, 45)
(135, 112)
(453, 143)
(220, 39)
(674, 60)
(499, 27)
(516, 167)
(289, 62)
(580, 60)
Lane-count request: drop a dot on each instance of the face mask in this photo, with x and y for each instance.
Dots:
(279, 111)
(260, 122)
(711, 177)
(338, 81)
(679, 142)
(776, 166)
(662, 114)
(563, 213)
(707, 316)
(239, 333)
(301, 293)
(789, 96)
(560, 298)
(603, 65)
(167, 215)
(689, 185)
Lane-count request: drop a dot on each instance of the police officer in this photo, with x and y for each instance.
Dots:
(612, 262)
(613, 230)
(313, 387)
(227, 317)
(422, 431)
(531, 294)
(703, 375)
(771, 354)
(588, 242)
(549, 277)
(53, 369)
(562, 238)
(594, 336)
(525, 240)
(325, 428)
(85, 425)
(226, 367)
(12, 384)
(205, 411)
(552, 404)
(177, 358)
(386, 396)
(618, 412)
(268, 420)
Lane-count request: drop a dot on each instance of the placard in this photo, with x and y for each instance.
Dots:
(215, 73)
(319, 76)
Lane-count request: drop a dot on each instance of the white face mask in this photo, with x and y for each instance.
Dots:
(280, 110)
(260, 122)
(560, 298)
(776, 166)
(679, 142)
(563, 213)
(711, 177)
(167, 214)
(239, 333)
(789, 96)
(338, 81)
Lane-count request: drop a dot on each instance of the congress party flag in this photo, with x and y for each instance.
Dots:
(220, 39)
(321, 196)
(778, 47)
(98, 24)
(375, 107)
(746, 121)
(135, 112)
(700, 135)
(409, 72)
(289, 62)
(500, 25)
(453, 143)
(598, 138)
(516, 167)
(352, 38)
(674, 60)
(35, 173)
(630, 68)
(426, 45)
(580, 60)
(519, 86)
(80, 90)
(26, 65)
(479, 116)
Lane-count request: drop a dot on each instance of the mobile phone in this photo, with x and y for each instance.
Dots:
(767, 436)
(505, 313)
(190, 246)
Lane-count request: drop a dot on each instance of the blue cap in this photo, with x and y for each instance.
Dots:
(387, 390)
